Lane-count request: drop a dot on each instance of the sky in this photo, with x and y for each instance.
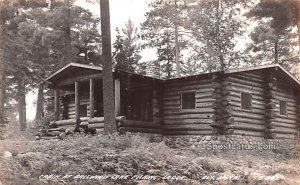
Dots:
(120, 12)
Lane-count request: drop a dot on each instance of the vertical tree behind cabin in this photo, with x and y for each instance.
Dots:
(108, 94)
(2, 75)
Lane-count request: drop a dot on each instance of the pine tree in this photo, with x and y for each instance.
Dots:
(272, 38)
(126, 49)
(215, 26)
(164, 30)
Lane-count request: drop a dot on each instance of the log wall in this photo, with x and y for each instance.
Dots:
(223, 111)
(248, 122)
(196, 121)
(285, 126)
(84, 100)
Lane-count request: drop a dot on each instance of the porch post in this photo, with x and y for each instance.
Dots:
(92, 98)
(56, 104)
(77, 101)
(117, 97)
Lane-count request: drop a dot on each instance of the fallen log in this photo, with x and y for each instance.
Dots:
(56, 129)
(65, 122)
(96, 125)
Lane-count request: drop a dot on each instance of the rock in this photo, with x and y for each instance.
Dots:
(7, 154)
(36, 162)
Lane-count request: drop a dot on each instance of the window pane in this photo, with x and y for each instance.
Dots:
(283, 107)
(246, 101)
(188, 100)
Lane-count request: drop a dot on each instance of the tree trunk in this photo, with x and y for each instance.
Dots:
(40, 103)
(276, 52)
(220, 54)
(108, 93)
(68, 47)
(177, 48)
(2, 76)
(22, 103)
(297, 17)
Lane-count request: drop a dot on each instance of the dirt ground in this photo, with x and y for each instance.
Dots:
(86, 159)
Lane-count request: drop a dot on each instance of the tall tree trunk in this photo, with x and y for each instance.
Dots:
(2, 74)
(108, 93)
(177, 47)
(22, 103)
(68, 47)
(40, 103)
(220, 54)
(276, 52)
(296, 4)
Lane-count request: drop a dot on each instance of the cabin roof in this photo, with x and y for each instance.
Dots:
(73, 67)
(245, 69)
(69, 68)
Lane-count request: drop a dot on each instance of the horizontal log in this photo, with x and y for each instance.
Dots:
(170, 84)
(188, 111)
(284, 125)
(252, 78)
(253, 127)
(244, 82)
(186, 116)
(71, 113)
(203, 106)
(204, 100)
(248, 114)
(187, 127)
(55, 129)
(187, 121)
(256, 96)
(99, 130)
(251, 74)
(282, 120)
(249, 133)
(54, 133)
(96, 125)
(284, 130)
(65, 122)
(96, 120)
(284, 136)
(143, 130)
(204, 132)
(248, 120)
(141, 124)
(199, 89)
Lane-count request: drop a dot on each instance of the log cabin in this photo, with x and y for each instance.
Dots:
(261, 101)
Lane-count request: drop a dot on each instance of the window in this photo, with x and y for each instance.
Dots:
(282, 107)
(246, 101)
(188, 100)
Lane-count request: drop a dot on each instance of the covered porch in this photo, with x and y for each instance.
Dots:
(78, 99)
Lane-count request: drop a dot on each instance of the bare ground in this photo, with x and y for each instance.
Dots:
(24, 160)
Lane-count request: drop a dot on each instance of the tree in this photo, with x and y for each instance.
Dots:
(6, 7)
(108, 102)
(215, 26)
(272, 38)
(163, 29)
(35, 45)
(126, 52)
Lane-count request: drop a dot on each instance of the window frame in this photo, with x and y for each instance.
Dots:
(286, 105)
(251, 103)
(181, 100)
